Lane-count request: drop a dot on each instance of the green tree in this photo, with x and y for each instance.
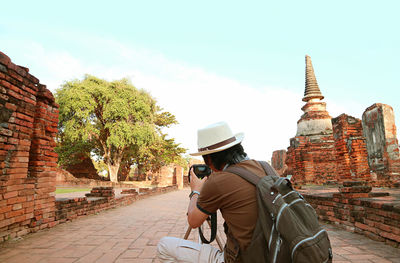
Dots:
(112, 119)
(161, 152)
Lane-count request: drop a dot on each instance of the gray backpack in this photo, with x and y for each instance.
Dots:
(287, 228)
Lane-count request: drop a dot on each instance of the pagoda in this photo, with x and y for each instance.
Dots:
(315, 120)
(311, 154)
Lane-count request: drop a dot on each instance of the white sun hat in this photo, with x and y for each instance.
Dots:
(215, 138)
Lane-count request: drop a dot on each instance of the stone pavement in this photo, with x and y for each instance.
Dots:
(130, 234)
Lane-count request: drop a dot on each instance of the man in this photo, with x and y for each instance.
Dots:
(227, 192)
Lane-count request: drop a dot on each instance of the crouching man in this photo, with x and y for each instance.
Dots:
(233, 196)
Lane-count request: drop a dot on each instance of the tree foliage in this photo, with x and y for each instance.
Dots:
(116, 121)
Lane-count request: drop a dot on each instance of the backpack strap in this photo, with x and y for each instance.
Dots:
(271, 171)
(268, 169)
(252, 178)
(249, 176)
(245, 174)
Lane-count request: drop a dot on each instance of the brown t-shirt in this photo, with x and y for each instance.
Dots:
(236, 199)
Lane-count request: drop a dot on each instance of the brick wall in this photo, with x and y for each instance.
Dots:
(356, 209)
(28, 124)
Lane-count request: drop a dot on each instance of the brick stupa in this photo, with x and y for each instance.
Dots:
(315, 120)
(311, 154)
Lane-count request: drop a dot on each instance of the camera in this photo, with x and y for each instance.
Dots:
(200, 170)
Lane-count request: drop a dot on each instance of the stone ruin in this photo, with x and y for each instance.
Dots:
(330, 150)
(352, 155)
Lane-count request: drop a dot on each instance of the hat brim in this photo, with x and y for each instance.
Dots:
(239, 138)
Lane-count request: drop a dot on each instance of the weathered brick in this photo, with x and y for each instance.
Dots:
(14, 214)
(18, 165)
(26, 192)
(17, 171)
(15, 200)
(17, 206)
(9, 195)
(5, 209)
(20, 159)
(18, 176)
(390, 236)
(12, 188)
(6, 222)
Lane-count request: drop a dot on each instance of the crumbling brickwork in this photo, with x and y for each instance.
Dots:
(311, 159)
(84, 169)
(351, 150)
(28, 126)
(364, 150)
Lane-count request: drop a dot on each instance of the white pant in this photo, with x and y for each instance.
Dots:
(172, 249)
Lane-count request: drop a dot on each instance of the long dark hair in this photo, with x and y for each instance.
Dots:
(232, 155)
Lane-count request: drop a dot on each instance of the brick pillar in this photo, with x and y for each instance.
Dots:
(278, 161)
(351, 149)
(383, 149)
(178, 173)
(43, 159)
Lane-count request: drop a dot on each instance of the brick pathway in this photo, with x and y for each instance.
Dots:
(130, 234)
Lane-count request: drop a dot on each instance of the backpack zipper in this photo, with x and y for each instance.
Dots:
(305, 240)
(276, 197)
(291, 192)
(279, 215)
(270, 236)
(277, 248)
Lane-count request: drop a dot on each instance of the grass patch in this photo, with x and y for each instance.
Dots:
(71, 190)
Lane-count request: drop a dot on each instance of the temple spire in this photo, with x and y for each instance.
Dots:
(312, 90)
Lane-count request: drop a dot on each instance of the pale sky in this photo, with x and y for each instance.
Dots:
(209, 61)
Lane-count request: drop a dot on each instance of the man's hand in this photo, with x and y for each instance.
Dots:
(195, 183)
(195, 216)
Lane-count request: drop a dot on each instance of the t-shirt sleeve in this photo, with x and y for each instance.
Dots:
(209, 199)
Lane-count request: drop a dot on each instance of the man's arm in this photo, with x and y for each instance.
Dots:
(195, 216)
